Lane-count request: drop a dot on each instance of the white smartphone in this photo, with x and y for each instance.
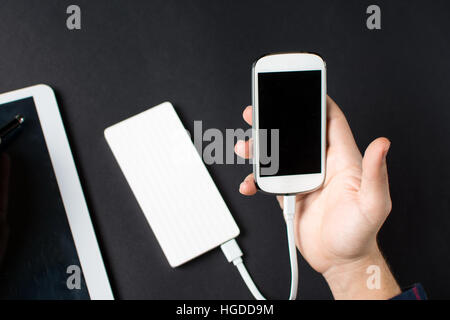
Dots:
(289, 122)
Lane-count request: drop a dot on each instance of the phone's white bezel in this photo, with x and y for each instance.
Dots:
(288, 184)
(69, 185)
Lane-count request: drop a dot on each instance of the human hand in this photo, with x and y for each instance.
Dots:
(336, 226)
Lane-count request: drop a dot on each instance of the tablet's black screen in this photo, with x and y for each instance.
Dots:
(36, 244)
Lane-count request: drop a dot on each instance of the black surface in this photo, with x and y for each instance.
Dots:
(38, 244)
(131, 55)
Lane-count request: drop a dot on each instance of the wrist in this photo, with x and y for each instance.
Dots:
(367, 277)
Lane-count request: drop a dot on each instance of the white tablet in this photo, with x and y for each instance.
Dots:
(48, 247)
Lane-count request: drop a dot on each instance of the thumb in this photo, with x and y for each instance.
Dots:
(374, 190)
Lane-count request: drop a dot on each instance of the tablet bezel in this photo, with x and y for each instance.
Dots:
(69, 185)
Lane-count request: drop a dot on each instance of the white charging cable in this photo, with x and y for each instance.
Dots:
(234, 254)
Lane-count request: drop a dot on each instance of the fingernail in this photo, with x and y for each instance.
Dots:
(241, 186)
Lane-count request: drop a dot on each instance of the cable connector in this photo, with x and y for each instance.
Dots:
(231, 250)
(289, 207)
(234, 254)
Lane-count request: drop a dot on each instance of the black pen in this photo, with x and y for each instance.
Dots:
(10, 127)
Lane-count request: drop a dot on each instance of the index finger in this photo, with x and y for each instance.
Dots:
(247, 115)
(340, 135)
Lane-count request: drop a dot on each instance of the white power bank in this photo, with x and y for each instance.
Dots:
(171, 184)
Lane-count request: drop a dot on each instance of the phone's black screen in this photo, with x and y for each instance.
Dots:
(291, 102)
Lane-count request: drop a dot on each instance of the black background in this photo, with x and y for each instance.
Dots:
(131, 55)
